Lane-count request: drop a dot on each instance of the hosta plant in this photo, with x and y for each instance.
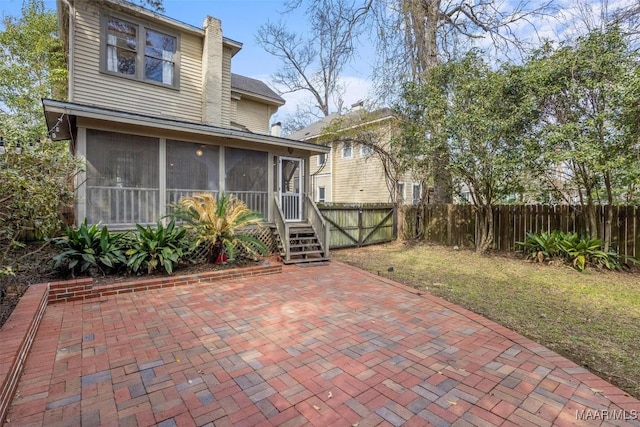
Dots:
(89, 247)
(219, 224)
(162, 246)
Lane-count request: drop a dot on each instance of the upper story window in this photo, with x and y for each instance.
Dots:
(134, 51)
(322, 159)
(366, 150)
(347, 150)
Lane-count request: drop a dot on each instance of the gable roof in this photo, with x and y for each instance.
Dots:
(255, 88)
(351, 119)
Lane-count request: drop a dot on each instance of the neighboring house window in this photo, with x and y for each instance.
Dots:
(347, 150)
(322, 159)
(366, 150)
(125, 56)
(400, 189)
(321, 194)
(417, 193)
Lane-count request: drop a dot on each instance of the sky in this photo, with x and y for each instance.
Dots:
(240, 22)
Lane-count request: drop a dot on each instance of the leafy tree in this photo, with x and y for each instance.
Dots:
(32, 66)
(35, 182)
(589, 94)
(484, 117)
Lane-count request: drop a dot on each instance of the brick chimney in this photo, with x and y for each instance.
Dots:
(212, 72)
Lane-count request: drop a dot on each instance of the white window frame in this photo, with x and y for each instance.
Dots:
(366, 151)
(324, 198)
(320, 157)
(416, 200)
(344, 147)
(401, 195)
(141, 34)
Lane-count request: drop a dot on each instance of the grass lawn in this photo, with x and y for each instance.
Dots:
(592, 318)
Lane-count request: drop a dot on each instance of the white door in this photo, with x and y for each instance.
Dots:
(290, 188)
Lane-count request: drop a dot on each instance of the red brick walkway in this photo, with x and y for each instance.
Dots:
(322, 345)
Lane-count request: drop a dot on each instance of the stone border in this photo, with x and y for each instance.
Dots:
(83, 289)
(19, 331)
(17, 335)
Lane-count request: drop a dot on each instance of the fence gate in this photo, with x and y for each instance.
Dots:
(360, 226)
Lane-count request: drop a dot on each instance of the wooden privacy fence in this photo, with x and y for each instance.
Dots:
(359, 226)
(454, 225)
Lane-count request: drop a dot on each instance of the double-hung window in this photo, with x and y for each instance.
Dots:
(138, 52)
(347, 150)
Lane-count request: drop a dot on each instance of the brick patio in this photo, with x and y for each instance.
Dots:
(321, 345)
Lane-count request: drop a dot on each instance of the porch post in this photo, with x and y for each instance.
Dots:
(162, 178)
(222, 184)
(270, 182)
(81, 177)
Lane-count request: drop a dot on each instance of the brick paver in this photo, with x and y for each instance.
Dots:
(316, 345)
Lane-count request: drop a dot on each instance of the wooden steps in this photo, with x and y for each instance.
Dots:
(304, 245)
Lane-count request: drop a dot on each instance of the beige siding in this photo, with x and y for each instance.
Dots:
(359, 179)
(254, 115)
(323, 180)
(92, 87)
(226, 87)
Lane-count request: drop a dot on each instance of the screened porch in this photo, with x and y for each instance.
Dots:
(133, 179)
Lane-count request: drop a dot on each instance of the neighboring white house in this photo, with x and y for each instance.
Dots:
(353, 172)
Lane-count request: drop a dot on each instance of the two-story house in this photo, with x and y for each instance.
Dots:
(156, 113)
(359, 168)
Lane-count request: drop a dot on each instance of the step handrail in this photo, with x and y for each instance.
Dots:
(318, 224)
(282, 226)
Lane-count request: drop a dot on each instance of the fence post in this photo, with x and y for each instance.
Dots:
(394, 227)
(360, 229)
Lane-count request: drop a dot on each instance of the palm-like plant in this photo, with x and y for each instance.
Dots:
(219, 224)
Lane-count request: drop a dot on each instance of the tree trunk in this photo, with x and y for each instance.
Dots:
(609, 217)
(485, 227)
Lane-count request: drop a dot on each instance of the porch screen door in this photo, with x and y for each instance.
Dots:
(290, 171)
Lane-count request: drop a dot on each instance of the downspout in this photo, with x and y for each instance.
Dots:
(71, 35)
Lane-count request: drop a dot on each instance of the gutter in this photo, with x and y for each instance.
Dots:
(72, 109)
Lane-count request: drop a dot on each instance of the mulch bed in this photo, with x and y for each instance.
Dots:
(32, 265)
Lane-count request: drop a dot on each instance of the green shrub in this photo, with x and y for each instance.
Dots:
(87, 247)
(542, 246)
(578, 251)
(162, 246)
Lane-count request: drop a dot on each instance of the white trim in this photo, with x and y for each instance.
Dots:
(401, 197)
(81, 177)
(324, 199)
(162, 177)
(344, 144)
(79, 110)
(318, 159)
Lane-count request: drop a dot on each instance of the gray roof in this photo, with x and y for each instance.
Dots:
(255, 87)
(57, 111)
(351, 118)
